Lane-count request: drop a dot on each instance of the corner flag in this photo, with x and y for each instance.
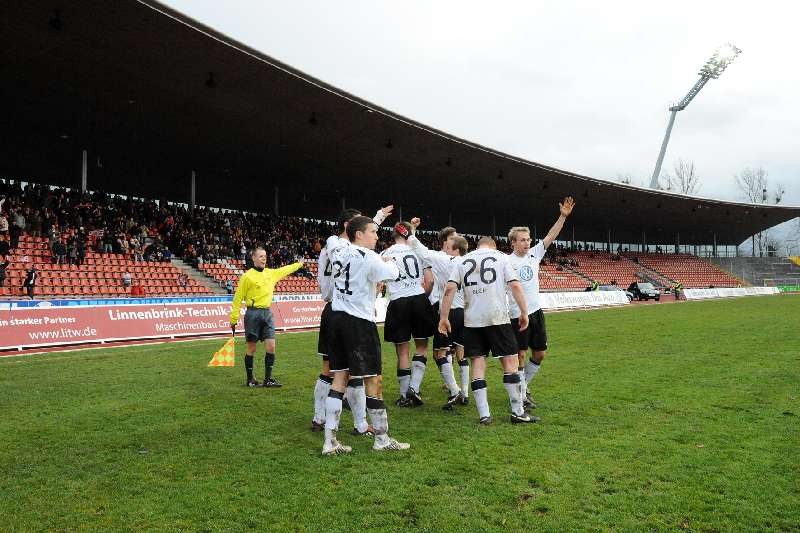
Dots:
(224, 357)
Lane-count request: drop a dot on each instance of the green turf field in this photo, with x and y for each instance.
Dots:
(655, 417)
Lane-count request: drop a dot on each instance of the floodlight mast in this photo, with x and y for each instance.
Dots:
(712, 69)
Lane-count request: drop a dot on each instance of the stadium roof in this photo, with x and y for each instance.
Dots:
(152, 94)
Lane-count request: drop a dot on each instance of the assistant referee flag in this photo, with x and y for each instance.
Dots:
(224, 356)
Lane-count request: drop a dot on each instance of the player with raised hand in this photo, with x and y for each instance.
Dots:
(453, 246)
(355, 394)
(355, 349)
(408, 315)
(484, 274)
(525, 262)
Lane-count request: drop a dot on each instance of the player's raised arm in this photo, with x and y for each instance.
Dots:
(565, 210)
(420, 249)
(382, 214)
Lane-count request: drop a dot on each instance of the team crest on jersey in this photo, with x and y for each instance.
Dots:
(525, 273)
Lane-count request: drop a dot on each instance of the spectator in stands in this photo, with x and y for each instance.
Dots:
(59, 252)
(36, 224)
(229, 286)
(122, 244)
(15, 232)
(127, 279)
(108, 242)
(183, 280)
(3, 266)
(30, 281)
(72, 252)
(3, 225)
(4, 247)
(80, 249)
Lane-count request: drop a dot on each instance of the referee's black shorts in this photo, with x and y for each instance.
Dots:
(258, 324)
(407, 317)
(535, 336)
(323, 341)
(498, 339)
(354, 345)
(456, 317)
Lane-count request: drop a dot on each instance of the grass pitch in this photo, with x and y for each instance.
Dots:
(658, 417)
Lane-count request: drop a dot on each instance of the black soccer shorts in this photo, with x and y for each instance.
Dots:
(535, 336)
(354, 345)
(407, 317)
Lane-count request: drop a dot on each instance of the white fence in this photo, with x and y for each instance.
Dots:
(703, 294)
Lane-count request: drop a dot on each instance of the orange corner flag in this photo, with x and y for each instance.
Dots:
(224, 357)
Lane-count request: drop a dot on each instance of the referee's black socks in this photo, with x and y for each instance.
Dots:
(269, 362)
(248, 365)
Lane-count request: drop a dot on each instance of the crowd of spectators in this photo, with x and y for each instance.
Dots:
(149, 230)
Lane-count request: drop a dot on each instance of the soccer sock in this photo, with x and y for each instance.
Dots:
(446, 369)
(357, 398)
(418, 364)
(248, 366)
(511, 382)
(481, 401)
(380, 420)
(463, 365)
(531, 369)
(333, 410)
(523, 383)
(269, 362)
(321, 389)
(403, 378)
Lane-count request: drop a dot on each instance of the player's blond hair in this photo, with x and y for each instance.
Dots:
(487, 241)
(460, 244)
(256, 249)
(512, 233)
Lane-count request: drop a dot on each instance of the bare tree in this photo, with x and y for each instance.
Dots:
(686, 179)
(753, 183)
(625, 179)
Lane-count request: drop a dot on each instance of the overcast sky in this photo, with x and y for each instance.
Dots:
(580, 85)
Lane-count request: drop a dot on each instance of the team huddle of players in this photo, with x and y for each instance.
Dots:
(471, 304)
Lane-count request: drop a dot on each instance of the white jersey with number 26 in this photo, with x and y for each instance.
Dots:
(483, 274)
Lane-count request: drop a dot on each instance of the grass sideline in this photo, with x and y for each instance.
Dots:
(657, 417)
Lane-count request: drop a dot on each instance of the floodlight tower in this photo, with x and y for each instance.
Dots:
(723, 56)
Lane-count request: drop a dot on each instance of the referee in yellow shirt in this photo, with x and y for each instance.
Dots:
(255, 290)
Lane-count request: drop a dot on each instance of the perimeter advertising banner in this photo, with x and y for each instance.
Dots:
(54, 325)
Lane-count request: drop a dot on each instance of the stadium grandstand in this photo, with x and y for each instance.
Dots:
(164, 115)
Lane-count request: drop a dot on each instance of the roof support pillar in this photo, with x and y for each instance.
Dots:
(494, 226)
(276, 207)
(84, 170)
(399, 212)
(609, 240)
(715, 245)
(678, 242)
(573, 237)
(450, 218)
(192, 191)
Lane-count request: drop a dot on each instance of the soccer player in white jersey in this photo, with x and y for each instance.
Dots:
(355, 349)
(408, 315)
(484, 274)
(525, 261)
(355, 394)
(453, 247)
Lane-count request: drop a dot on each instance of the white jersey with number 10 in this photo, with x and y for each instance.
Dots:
(409, 281)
